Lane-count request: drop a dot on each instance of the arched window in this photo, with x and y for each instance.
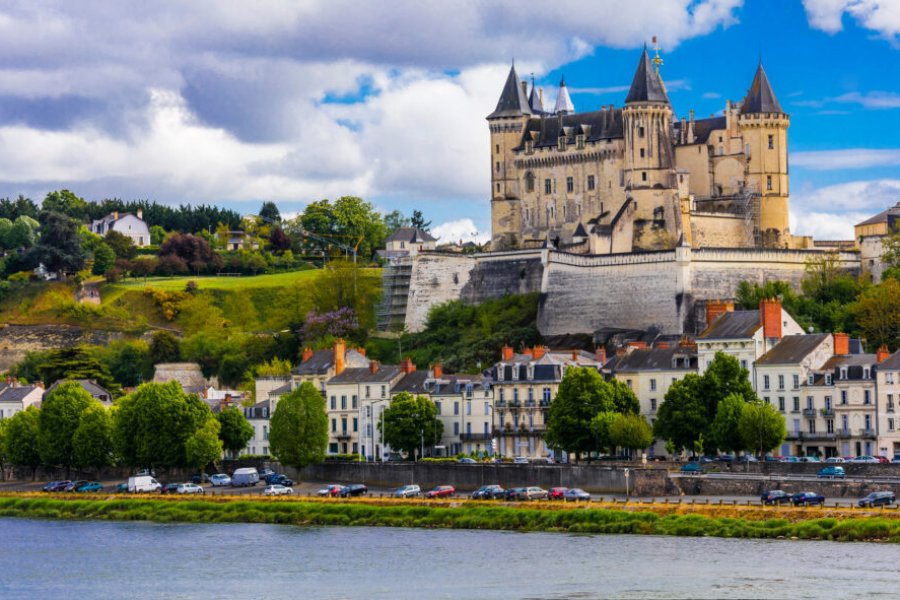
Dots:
(529, 181)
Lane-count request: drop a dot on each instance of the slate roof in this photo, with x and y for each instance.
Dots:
(646, 85)
(534, 100)
(739, 324)
(703, 128)
(597, 125)
(16, 394)
(412, 235)
(563, 101)
(322, 360)
(849, 360)
(656, 359)
(792, 349)
(413, 383)
(513, 102)
(87, 385)
(384, 374)
(883, 217)
(760, 98)
(890, 363)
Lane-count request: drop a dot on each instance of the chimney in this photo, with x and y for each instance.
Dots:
(438, 370)
(538, 352)
(528, 352)
(770, 317)
(407, 366)
(140, 214)
(39, 384)
(662, 345)
(600, 355)
(574, 355)
(115, 215)
(841, 344)
(506, 353)
(686, 342)
(227, 400)
(637, 344)
(340, 349)
(882, 354)
(361, 350)
(525, 88)
(373, 366)
(715, 309)
(621, 351)
(307, 354)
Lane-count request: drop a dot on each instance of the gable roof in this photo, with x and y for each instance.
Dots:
(512, 102)
(323, 360)
(883, 217)
(703, 128)
(411, 234)
(738, 324)
(92, 388)
(188, 375)
(760, 98)
(656, 359)
(646, 85)
(597, 125)
(891, 362)
(792, 349)
(17, 393)
(413, 383)
(384, 374)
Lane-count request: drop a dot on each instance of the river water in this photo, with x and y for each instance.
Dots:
(84, 559)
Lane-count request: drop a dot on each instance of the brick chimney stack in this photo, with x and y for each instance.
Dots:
(407, 366)
(882, 354)
(600, 355)
(307, 353)
(140, 214)
(686, 342)
(340, 350)
(538, 352)
(528, 352)
(841, 344)
(716, 308)
(506, 353)
(637, 345)
(662, 345)
(770, 317)
(574, 355)
(361, 350)
(373, 366)
(438, 370)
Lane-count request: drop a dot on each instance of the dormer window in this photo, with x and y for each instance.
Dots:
(865, 372)
(515, 372)
(529, 147)
(530, 372)
(811, 379)
(579, 141)
(828, 379)
(843, 373)
(561, 143)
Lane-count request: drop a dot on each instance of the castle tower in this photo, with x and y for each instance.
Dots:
(649, 162)
(507, 123)
(536, 100)
(764, 128)
(564, 104)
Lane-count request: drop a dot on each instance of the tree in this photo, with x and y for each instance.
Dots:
(164, 348)
(279, 241)
(394, 220)
(419, 221)
(582, 395)
(21, 444)
(121, 244)
(104, 259)
(724, 376)
(93, 439)
(60, 416)
(79, 362)
(878, 314)
(344, 285)
(681, 417)
(269, 212)
(725, 429)
(193, 251)
(204, 446)
(762, 428)
(600, 428)
(235, 430)
(67, 203)
(59, 248)
(152, 425)
(409, 422)
(157, 234)
(630, 431)
(298, 432)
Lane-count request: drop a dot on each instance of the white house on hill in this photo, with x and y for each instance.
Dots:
(127, 224)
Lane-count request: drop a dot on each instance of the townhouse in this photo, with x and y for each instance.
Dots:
(887, 385)
(317, 367)
(346, 393)
(15, 398)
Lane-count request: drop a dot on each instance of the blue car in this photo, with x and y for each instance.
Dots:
(807, 499)
(694, 468)
(831, 473)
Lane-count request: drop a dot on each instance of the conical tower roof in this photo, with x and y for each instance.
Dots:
(646, 85)
(563, 101)
(761, 98)
(513, 102)
(534, 100)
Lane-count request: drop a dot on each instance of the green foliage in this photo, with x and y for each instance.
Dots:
(878, 314)
(121, 244)
(129, 362)
(600, 429)
(165, 347)
(235, 430)
(269, 212)
(59, 248)
(344, 285)
(630, 431)
(92, 442)
(410, 422)
(67, 203)
(203, 446)
(298, 433)
(21, 443)
(79, 362)
(681, 417)
(348, 221)
(274, 368)
(157, 234)
(761, 427)
(725, 430)
(104, 259)
(60, 416)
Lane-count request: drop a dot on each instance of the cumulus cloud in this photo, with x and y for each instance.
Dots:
(460, 229)
(830, 212)
(852, 158)
(882, 16)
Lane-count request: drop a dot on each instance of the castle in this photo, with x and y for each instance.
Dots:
(627, 179)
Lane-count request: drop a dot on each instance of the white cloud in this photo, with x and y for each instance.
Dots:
(831, 212)
(872, 100)
(882, 16)
(852, 158)
(460, 229)
(711, 95)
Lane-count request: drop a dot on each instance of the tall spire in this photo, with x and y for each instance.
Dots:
(564, 104)
(513, 102)
(761, 98)
(534, 99)
(646, 85)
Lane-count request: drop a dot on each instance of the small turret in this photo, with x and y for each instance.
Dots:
(564, 104)
(535, 103)
(760, 98)
(512, 102)
(646, 85)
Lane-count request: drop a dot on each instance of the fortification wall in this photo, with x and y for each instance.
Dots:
(720, 231)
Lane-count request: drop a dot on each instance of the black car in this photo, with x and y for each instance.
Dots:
(488, 492)
(775, 497)
(515, 493)
(199, 478)
(354, 489)
(878, 499)
(169, 488)
(807, 499)
(279, 479)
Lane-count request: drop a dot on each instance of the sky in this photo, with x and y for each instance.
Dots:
(236, 103)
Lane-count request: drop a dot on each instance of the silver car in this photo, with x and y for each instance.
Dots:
(189, 488)
(277, 490)
(407, 491)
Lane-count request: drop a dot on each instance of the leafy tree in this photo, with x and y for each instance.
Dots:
(22, 206)
(256, 263)
(164, 348)
(298, 432)
(344, 285)
(762, 428)
(193, 251)
(269, 212)
(235, 430)
(682, 417)
(582, 395)
(623, 399)
(129, 362)
(419, 221)
(92, 441)
(279, 241)
(878, 314)
(204, 446)
(348, 221)
(630, 431)
(60, 416)
(409, 421)
(79, 362)
(153, 424)
(724, 377)
(59, 248)
(274, 368)
(21, 445)
(725, 430)
(157, 234)
(67, 203)
(600, 429)
(121, 244)
(394, 220)
(104, 259)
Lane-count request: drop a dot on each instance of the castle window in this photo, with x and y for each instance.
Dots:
(771, 142)
(498, 188)
(590, 182)
(642, 153)
(548, 188)
(498, 166)
(643, 175)
(579, 141)
(561, 142)
(529, 147)
(498, 148)
(721, 150)
(529, 182)
(768, 182)
(570, 184)
(640, 132)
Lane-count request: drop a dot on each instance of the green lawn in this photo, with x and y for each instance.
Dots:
(216, 282)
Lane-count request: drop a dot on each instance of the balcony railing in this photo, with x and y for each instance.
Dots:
(827, 412)
(809, 412)
(342, 435)
(867, 433)
(844, 433)
(474, 437)
(812, 436)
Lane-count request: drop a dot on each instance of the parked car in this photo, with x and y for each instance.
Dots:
(264, 473)
(810, 459)
(74, 485)
(280, 479)
(91, 486)
(725, 458)
(535, 493)
(199, 478)
(489, 492)
(169, 488)
(331, 490)
(834, 460)
(520, 460)
(407, 491)
(354, 489)
(883, 460)
(706, 459)
(220, 479)
(189, 488)
(747, 458)
(60, 486)
(831, 472)
(790, 459)
(143, 484)
(244, 477)
(775, 497)
(465, 460)
(515, 493)
(576, 495)
(276, 489)
(878, 499)
(440, 491)
(807, 499)
(122, 488)
(48, 487)
(693, 467)
(556, 493)
(865, 460)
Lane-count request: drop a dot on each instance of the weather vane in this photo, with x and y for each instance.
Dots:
(656, 59)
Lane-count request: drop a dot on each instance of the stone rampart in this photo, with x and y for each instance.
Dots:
(17, 340)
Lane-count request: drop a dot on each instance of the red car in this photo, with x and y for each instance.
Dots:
(441, 491)
(557, 493)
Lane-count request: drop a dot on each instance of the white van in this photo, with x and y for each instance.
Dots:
(143, 483)
(244, 477)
